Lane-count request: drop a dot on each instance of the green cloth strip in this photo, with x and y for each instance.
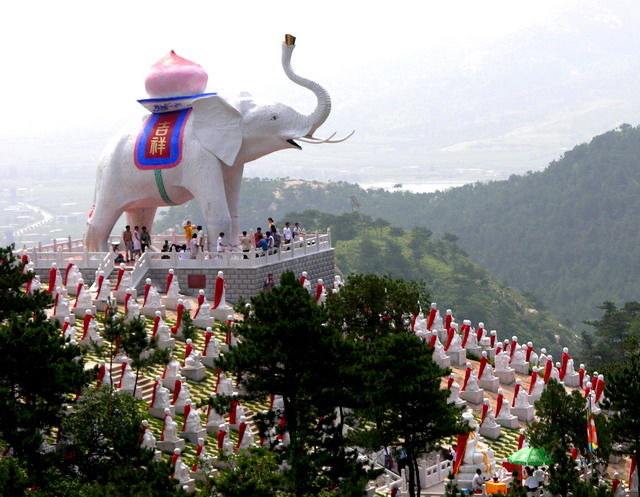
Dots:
(163, 192)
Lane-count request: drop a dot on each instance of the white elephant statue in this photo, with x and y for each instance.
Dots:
(218, 138)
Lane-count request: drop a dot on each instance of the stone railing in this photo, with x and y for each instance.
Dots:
(71, 251)
(84, 260)
(309, 244)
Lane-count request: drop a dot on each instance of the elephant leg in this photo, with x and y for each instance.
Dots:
(142, 216)
(213, 205)
(96, 238)
(232, 183)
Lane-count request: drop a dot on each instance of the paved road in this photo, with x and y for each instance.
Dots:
(46, 218)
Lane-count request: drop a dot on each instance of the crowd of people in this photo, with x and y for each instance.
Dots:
(138, 240)
(269, 241)
(533, 480)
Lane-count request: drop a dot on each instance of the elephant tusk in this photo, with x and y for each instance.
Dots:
(313, 139)
(341, 139)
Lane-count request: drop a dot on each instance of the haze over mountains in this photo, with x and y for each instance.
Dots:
(456, 112)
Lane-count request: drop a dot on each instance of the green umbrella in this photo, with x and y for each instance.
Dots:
(530, 456)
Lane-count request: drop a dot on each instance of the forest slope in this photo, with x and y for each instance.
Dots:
(364, 245)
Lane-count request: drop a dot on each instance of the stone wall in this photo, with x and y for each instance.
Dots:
(241, 282)
(247, 282)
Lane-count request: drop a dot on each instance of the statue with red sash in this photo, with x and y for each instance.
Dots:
(220, 309)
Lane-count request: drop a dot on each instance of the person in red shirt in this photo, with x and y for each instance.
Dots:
(257, 236)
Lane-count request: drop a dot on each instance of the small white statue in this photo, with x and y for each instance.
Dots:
(214, 418)
(170, 428)
(104, 377)
(542, 359)
(174, 287)
(321, 292)
(35, 285)
(202, 315)
(518, 356)
(104, 292)
(522, 399)
(487, 373)
(73, 279)
(161, 398)
(128, 380)
(213, 345)
(454, 391)
(153, 297)
(489, 417)
(133, 308)
(61, 310)
(304, 281)
(183, 395)
(69, 331)
(570, 368)
(246, 438)
(502, 360)
(455, 344)
(193, 422)
(180, 469)
(148, 440)
(126, 281)
(83, 299)
(505, 409)
(90, 331)
(171, 372)
(338, 283)
(164, 334)
(472, 382)
(225, 385)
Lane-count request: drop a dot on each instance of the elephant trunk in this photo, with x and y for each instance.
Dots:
(321, 112)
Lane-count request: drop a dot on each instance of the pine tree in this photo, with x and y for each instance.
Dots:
(623, 400)
(286, 348)
(39, 370)
(400, 389)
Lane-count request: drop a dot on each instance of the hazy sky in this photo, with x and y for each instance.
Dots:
(75, 69)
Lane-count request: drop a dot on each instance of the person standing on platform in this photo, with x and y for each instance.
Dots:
(188, 231)
(257, 236)
(127, 238)
(145, 239)
(268, 283)
(221, 245)
(286, 232)
(137, 244)
(200, 233)
(245, 243)
(193, 246)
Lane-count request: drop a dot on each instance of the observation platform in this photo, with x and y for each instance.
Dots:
(245, 272)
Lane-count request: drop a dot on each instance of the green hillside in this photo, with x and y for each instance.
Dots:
(365, 245)
(568, 234)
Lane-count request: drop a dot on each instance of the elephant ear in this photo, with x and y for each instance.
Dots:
(218, 127)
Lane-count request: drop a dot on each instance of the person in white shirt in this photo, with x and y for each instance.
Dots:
(531, 484)
(477, 482)
(220, 243)
(193, 246)
(286, 231)
(200, 233)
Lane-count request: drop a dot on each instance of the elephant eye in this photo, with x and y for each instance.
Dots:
(274, 117)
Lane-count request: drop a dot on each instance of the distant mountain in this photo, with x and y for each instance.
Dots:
(570, 234)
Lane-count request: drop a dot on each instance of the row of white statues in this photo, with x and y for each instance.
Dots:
(499, 362)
